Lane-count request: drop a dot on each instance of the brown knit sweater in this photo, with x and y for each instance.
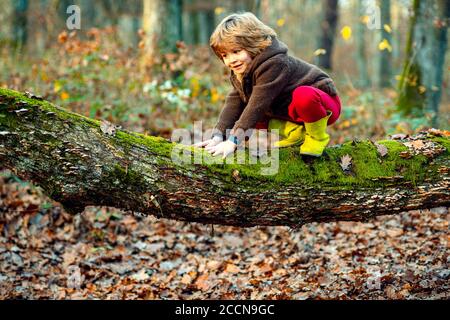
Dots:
(266, 89)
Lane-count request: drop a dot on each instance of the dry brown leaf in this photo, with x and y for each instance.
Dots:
(416, 144)
(69, 257)
(265, 268)
(346, 162)
(232, 268)
(394, 232)
(382, 149)
(141, 275)
(213, 265)
(399, 136)
(405, 155)
(236, 176)
(439, 133)
(186, 279)
(201, 282)
(390, 292)
(108, 128)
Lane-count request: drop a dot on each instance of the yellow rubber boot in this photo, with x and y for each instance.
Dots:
(292, 133)
(316, 138)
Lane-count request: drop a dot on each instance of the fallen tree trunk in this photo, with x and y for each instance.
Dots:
(80, 162)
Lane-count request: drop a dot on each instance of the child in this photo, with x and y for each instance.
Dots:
(271, 90)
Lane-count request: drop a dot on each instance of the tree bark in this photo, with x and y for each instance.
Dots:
(328, 27)
(361, 57)
(79, 162)
(161, 21)
(19, 23)
(420, 86)
(385, 65)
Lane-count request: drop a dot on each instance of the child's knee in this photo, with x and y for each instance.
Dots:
(306, 104)
(305, 97)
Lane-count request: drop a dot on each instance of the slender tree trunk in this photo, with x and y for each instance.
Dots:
(188, 23)
(420, 86)
(162, 24)
(128, 26)
(361, 58)
(435, 77)
(172, 25)
(80, 162)
(328, 27)
(385, 66)
(90, 17)
(20, 23)
(256, 8)
(205, 27)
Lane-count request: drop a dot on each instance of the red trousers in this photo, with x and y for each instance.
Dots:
(310, 104)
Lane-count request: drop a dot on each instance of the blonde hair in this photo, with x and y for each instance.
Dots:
(241, 30)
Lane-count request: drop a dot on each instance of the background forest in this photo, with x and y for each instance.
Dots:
(146, 65)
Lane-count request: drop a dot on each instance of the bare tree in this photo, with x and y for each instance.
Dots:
(361, 57)
(328, 27)
(80, 162)
(162, 25)
(420, 86)
(20, 22)
(385, 64)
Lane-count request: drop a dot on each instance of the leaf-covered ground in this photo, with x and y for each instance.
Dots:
(46, 253)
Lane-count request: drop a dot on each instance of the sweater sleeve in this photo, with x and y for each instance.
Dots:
(230, 113)
(270, 78)
(327, 86)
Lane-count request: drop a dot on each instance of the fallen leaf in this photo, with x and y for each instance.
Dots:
(232, 268)
(186, 279)
(394, 232)
(265, 268)
(319, 52)
(416, 144)
(141, 275)
(213, 265)
(236, 176)
(405, 155)
(346, 162)
(201, 282)
(399, 136)
(439, 133)
(382, 149)
(107, 128)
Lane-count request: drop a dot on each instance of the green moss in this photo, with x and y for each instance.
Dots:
(46, 107)
(156, 145)
(445, 142)
(368, 167)
(126, 176)
(8, 120)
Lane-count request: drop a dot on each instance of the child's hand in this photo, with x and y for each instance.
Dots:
(225, 148)
(209, 143)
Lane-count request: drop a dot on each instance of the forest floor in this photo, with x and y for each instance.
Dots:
(45, 253)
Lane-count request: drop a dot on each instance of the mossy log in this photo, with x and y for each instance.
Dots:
(77, 164)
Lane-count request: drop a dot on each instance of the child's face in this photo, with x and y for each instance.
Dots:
(237, 60)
